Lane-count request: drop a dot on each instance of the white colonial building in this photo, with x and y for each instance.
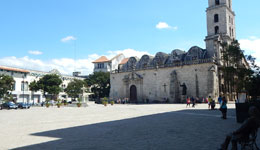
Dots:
(23, 78)
(104, 64)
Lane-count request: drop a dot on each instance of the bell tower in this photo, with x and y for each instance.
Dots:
(220, 25)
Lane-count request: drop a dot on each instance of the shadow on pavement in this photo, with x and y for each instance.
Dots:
(179, 130)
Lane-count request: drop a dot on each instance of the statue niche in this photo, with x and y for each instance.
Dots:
(184, 89)
(174, 87)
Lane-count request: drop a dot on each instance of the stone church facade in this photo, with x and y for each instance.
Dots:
(161, 77)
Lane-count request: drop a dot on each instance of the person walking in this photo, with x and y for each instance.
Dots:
(209, 102)
(223, 108)
(219, 99)
(188, 102)
(213, 104)
(193, 101)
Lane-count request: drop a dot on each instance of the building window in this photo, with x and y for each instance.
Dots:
(217, 2)
(229, 4)
(100, 65)
(230, 31)
(24, 86)
(216, 30)
(216, 18)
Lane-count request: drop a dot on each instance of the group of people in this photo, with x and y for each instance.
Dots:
(248, 127)
(191, 100)
(223, 105)
(122, 101)
(211, 104)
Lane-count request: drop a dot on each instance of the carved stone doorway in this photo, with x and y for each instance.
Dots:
(133, 94)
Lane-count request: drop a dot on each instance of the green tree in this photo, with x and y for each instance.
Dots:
(99, 83)
(33, 86)
(6, 86)
(253, 87)
(50, 84)
(74, 88)
(236, 74)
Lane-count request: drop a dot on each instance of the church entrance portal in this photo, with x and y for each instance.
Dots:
(133, 94)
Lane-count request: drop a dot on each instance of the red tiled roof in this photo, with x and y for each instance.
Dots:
(101, 59)
(14, 69)
(124, 61)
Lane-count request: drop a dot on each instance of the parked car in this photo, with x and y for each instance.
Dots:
(23, 105)
(9, 105)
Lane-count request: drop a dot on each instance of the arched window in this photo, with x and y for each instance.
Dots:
(217, 2)
(216, 30)
(216, 18)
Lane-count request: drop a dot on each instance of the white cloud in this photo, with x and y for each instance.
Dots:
(35, 52)
(164, 25)
(127, 52)
(64, 65)
(68, 38)
(251, 46)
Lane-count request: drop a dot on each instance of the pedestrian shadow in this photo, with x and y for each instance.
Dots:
(177, 130)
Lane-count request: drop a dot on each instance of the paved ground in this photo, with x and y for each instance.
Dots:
(118, 127)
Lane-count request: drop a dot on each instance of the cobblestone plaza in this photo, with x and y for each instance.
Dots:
(118, 127)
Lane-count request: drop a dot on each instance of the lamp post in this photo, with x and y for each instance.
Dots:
(83, 94)
(23, 87)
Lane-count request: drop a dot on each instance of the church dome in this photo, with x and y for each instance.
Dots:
(144, 62)
(196, 52)
(177, 52)
(159, 59)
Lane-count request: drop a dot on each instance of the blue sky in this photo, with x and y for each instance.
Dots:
(68, 35)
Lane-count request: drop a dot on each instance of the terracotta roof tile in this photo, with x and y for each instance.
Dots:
(101, 59)
(124, 61)
(14, 69)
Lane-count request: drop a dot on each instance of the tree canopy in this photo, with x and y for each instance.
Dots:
(34, 86)
(6, 85)
(99, 83)
(74, 88)
(239, 77)
(49, 84)
(253, 87)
